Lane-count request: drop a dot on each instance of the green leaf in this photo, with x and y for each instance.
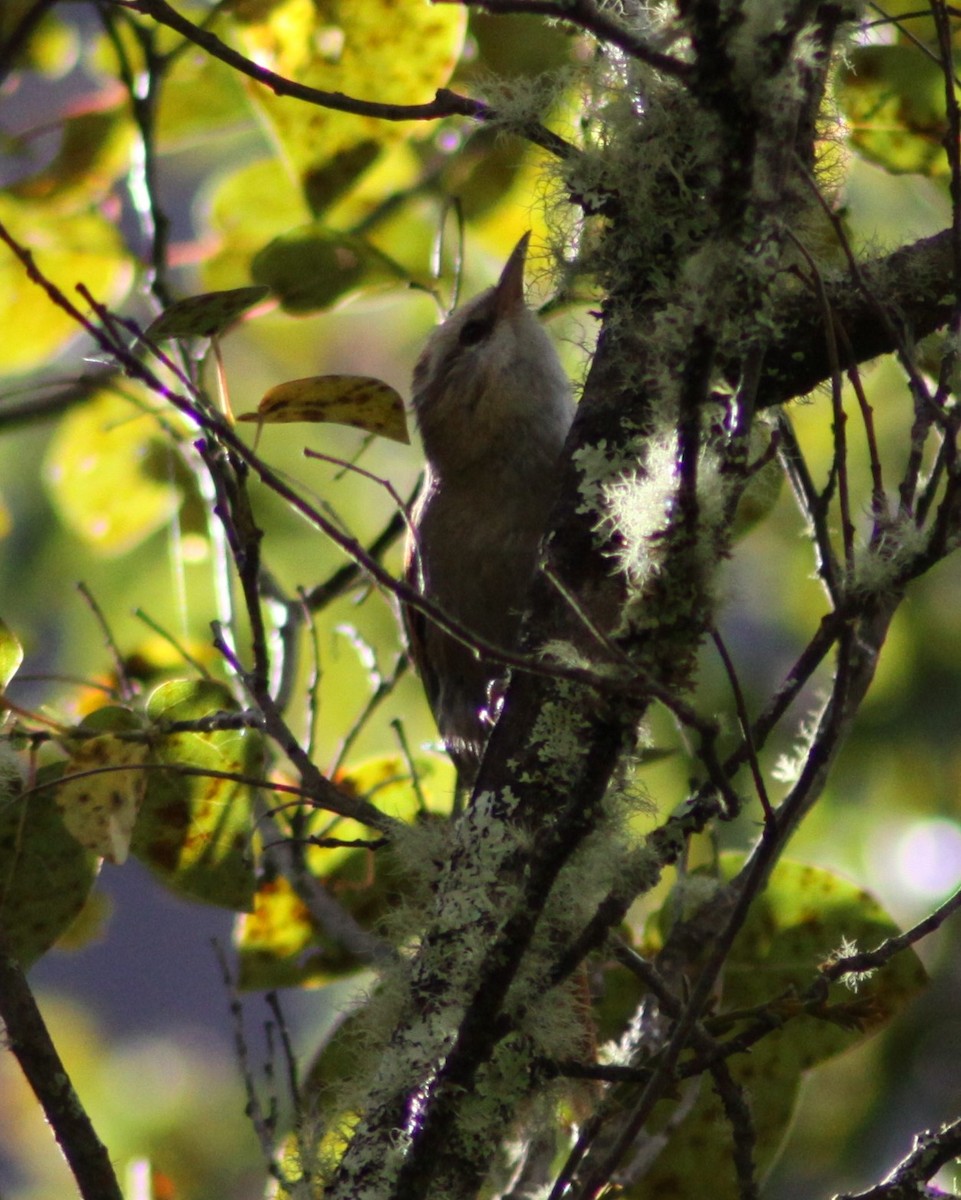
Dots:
(912, 23)
(111, 475)
(195, 831)
(11, 655)
(205, 315)
(312, 267)
(327, 181)
(893, 101)
(801, 919)
(45, 874)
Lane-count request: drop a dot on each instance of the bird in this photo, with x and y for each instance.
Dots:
(493, 406)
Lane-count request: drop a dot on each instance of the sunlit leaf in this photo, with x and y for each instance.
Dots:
(893, 101)
(45, 874)
(312, 267)
(195, 831)
(110, 474)
(246, 209)
(278, 943)
(11, 655)
(803, 917)
(54, 46)
(181, 120)
(206, 315)
(392, 51)
(67, 249)
(99, 799)
(356, 400)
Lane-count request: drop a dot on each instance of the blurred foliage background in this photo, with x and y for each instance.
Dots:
(137, 1001)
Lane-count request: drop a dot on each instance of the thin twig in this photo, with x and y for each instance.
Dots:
(930, 1152)
(813, 505)
(127, 689)
(398, 727)
(870, 960)
(290, 1058)
(744, 721)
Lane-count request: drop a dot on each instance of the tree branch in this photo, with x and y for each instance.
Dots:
(33, 1048)
(587, 16)
(931, 1152)
(914, 283)
(445, 103)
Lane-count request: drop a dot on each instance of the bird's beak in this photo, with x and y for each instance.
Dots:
(509, 292)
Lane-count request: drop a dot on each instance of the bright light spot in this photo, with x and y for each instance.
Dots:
(928, 858)
(194, 548)
(329, 43)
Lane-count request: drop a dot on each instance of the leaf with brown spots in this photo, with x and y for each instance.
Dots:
(356, 400)
(99, 798)
(205, 315)
(396, 50)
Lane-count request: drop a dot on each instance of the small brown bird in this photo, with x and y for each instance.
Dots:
(494, 407)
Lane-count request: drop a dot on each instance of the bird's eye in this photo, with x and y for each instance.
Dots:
(475, 331)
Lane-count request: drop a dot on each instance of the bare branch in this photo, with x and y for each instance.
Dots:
(31, 1044)
(931, 1152)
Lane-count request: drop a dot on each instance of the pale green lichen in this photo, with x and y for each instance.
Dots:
(560, 729)
(879, 567)
(598, 466)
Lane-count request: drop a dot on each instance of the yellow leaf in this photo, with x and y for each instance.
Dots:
(390, 51)
(105, 475)
(11, 655)
(356, 400)
(67, 249)
(100, 810)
